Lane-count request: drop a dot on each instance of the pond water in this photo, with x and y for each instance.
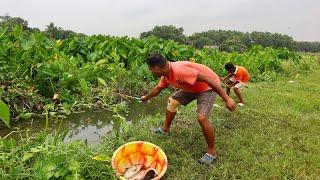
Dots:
(89, 125)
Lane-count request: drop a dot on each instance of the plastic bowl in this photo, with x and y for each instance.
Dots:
(139, 152)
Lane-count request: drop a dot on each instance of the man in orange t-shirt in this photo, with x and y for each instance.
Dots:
(237, 78)
(194, 81)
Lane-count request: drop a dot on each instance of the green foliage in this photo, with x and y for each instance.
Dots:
(11, 22)
(232, 46)
(55, 32)
(208, 38)
(304, 46)
(4, 111)
(166, 32)
(266, 39)
(84, 89)
(48, 157)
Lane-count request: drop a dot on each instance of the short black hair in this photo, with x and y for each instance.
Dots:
(228, 66)
(156, 60)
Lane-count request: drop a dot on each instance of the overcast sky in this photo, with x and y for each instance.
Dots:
(297, 18)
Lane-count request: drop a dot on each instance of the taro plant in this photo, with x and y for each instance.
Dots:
(70, 67)
(4, 111)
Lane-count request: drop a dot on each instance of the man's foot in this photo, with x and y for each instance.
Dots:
(158, 130)
(207, 159)
(241, 104)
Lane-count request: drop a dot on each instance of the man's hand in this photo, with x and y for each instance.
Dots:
(230, 104)
(155, 91)
(222, 79)
(144, 98)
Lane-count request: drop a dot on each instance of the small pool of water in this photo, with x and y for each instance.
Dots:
(89, 125)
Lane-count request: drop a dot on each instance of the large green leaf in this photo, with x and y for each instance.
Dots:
(27, 43)
(18, 31)
(27, 156)
(102, 82)
(115, 56)
(4, 113)
(84, 87)
(2, 31)
(102, 62)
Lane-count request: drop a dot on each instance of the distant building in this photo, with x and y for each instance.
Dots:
(211, 46)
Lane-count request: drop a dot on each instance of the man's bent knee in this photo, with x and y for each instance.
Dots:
(172, 105)
(235, 88)
(202, 118)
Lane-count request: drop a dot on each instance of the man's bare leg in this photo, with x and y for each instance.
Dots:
(167, 122)
(227, 88)
(238, 93)
(209, 134)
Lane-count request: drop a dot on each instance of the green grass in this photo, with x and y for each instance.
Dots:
(276, 136)
(48, 157)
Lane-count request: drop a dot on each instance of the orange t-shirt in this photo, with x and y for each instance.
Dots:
(241, 74)
(184, 75)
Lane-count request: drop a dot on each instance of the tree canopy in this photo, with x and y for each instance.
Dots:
(228, 40)
(225, 40)
(166, 32)
(51, 30)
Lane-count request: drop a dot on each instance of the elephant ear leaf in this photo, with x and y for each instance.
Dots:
(4, 112)
(102, 82)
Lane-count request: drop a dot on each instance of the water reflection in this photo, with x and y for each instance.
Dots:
(90, 126)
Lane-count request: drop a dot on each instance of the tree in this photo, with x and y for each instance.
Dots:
(232, 45)
(201, 42)
(11, 22)
(55, 32)
(239, 40)
(166, 32)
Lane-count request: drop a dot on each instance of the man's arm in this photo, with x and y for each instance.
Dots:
(231, 105)
(154, 92)
(227, 77)
(233, 84)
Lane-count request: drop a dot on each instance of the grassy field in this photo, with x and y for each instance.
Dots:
(276, 136)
